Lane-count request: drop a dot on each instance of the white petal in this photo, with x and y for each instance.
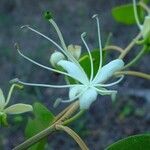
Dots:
(87, 98)
(2, 99)
(74, 91)
(74, 71)
(18, 109)
(108, 70)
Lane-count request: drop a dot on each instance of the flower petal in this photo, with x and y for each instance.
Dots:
(87, 98)
(18, 109)
(74, 71)
(108, 70)
(2, 99)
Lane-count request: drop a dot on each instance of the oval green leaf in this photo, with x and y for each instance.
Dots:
(136, 142)
(125, 14)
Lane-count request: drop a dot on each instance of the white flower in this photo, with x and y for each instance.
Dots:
(145, 27)
(86, 89)
(13, 109)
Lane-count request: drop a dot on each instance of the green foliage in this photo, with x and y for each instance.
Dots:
(42, 119)
(136, 142)
(125, 14)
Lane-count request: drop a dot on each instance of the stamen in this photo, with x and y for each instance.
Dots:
(59, 33)
(49, 39)
(43, 85)
(110, 84)
(66, 52)
(64, 45)
(91, 60)
(136, 14)
(105, 92)
(99, 39)
(38, 64)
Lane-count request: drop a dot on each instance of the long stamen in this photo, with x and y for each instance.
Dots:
(136, 14)
(43, 85)
(110, 84)
(66, 52)
(38, 64)
(99, 39)
(59, 33)
(49, 39)
(105, 92)
(91, 60)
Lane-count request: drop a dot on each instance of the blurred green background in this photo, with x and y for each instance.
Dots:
(105, 122)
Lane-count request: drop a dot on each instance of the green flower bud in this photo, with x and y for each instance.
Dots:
(56, 57)
(146, 27)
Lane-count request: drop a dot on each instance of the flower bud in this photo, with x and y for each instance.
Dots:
(146, 27)
(75, 50)
(56, 57)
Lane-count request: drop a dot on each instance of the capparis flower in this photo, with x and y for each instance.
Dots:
(13, 109)
(86, 88)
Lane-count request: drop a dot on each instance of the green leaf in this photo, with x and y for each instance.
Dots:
(125, 14)
(136, 142)
(42, 119)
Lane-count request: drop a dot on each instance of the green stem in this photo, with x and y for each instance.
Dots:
(74, 135)
(75, 117)
(134, 73)
(129, 47)
(35, 138)
(44, 133)
(140, 54)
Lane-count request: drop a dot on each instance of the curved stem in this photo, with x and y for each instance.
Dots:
(74, 135)
(129, 47)
(29, 142)
(134, 73)
(36, 138)
(132, 62)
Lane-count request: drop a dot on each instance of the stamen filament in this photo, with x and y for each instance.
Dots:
(45, 67)
(105, 92)
(91, 60)
(110, 84)
(59, 33)
(49, 39)
(45, 85)
(99, 39)
(66, 52)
